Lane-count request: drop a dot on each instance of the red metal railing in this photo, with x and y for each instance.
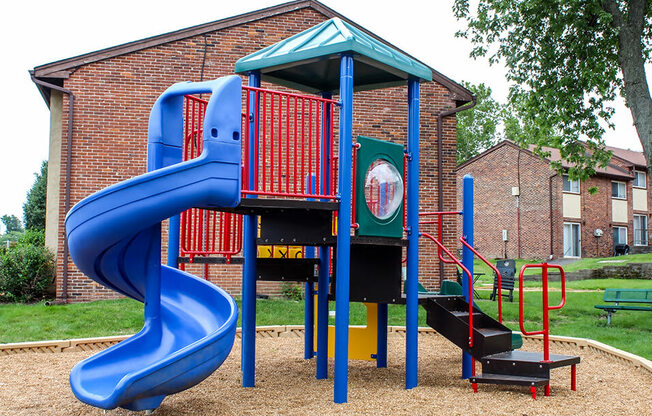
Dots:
(544, 278)
(500, 301)
(290, 144)
(470, 285)
(439, 223)
(205, 232)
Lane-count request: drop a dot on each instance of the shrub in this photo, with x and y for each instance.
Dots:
(291, 291)
(27, 269)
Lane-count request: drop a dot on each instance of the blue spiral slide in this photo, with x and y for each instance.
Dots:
(114, 238)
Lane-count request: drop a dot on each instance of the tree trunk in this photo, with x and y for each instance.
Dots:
(632, 63)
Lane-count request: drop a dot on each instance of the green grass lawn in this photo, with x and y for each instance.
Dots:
(583, 264)
(630, 331)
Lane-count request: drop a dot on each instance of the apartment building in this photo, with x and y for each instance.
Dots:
(526, 209)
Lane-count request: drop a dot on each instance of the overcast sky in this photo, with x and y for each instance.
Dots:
(38, 32)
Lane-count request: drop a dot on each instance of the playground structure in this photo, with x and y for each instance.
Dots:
(255, 169)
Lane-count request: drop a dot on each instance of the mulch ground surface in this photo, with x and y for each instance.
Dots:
(37, 384)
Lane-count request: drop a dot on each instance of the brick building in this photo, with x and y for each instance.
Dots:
(525, 209)
(100, 101)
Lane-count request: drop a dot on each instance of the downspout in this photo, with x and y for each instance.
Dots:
(440, 161)
(518, 205)
(71, 110)
(551, 215)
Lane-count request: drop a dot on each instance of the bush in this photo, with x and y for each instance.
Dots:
(27, 269)
(291, 291)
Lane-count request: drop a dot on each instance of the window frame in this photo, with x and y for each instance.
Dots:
(620, 227)
(644, 174)
(643, 242)
(566, 178)
(624, 187)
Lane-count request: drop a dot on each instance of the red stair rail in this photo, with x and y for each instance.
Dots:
(500, 301)
(546, 307)
(470, 285)
(440, 224)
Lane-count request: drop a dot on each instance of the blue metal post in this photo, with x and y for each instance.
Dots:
(412, 280)
(467, 255)
(309, 301)
(381, 348)
(344, 232)
(250, 232)
(173, 241)
(324, 255)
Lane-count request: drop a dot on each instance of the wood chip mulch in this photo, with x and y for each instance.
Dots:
(37, 384)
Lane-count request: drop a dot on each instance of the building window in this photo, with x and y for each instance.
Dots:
(572, 240)
(639, 179)
(618, 190)
(571, 185)
(620, 235)
(640, 230)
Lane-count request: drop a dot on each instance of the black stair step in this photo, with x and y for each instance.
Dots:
(490, 378)
(465, 314)
(525, 357)
(489, 332)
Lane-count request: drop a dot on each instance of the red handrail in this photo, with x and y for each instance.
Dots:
(439, 214)
(500, 301)
(470, 286)
(544, 278)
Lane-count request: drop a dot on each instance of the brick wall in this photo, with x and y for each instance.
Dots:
(114, 97)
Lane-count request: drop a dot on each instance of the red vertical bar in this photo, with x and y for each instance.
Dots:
(193, 136)
(320, 141)
(271, 142)
(287, 144)
(215, 236)
(302, 180)
(546, 333)
(245, 164)
(186, 125)
(310, 141)
(296, 116)
(574, 377)
(353, 172)
(280, 142)
(404, 190)
(256, 138)
(332, 156)
(264, 142)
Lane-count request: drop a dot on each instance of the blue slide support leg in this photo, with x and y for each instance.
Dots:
(381, 349)
(250, 232)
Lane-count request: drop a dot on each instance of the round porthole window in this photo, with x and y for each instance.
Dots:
(383, 189)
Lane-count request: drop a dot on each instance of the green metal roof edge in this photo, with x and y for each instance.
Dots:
(413, 67)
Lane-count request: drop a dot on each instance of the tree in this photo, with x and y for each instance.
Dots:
(476, 128)
(12, 223)
(34, 207)
(567, 59)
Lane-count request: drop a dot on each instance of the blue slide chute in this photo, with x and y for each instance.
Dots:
(114, 238)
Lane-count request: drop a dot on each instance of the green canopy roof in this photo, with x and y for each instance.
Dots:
(309, 61)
